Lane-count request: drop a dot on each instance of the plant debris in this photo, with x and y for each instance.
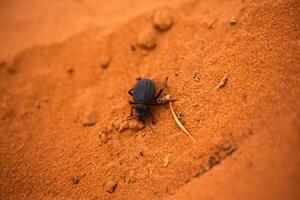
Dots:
(166, 160)
(197, 77)
(180, 125)
(179, 115)
(222, 82)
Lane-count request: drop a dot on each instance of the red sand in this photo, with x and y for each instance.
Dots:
(52, 83)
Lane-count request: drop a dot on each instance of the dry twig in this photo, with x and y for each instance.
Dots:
(180, 125)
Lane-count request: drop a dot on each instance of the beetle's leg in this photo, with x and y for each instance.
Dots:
(130, 92)
(161, 90)
(161, 102)
(152, 116)
(131, 112)
(132, 108)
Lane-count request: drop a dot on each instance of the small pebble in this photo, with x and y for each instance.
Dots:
(132, 47)
(143, 133)
(90, 120)
(110, 186)
(105, 61)
(210, 24)
(70, 71)
(233, 21)
(75, 180)
(162, 20)
(104, 136)
(195, 105)
(147, 39)
(37, 103)
(167, 97)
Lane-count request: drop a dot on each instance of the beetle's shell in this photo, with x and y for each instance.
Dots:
(144, 91)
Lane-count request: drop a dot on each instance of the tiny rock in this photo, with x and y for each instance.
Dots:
(167, 97)
(141, 153)
(105, 61)
(37, 103)
(132, 47)
(162, 20)
(210, 24)
(110, 186)
(70, 71)
(233, 21)
(147, 39)
(104, 137)
(90, 120)
(75, 180)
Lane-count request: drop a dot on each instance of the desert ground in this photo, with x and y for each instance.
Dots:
(65, 71)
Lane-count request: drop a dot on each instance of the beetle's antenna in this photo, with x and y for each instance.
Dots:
(151, 128)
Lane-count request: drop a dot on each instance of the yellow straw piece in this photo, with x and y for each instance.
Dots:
(180, 125)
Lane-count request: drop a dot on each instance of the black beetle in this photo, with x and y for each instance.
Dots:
(144, 96)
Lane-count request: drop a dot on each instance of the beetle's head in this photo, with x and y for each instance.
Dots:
(142, 111)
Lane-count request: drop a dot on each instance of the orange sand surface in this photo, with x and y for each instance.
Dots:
(65, 70)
